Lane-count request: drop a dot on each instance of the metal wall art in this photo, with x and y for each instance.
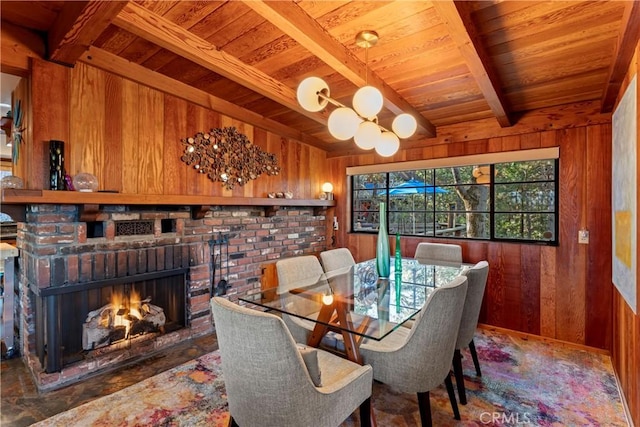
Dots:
(228, 156)
(16, 133)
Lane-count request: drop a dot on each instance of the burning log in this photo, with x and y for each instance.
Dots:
(152, 313)
(96, 329)
(112, 323)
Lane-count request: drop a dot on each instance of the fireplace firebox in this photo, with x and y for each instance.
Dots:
(62, 313)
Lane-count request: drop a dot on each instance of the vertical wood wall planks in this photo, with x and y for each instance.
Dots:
(175, 129)
(112, 154)
(150, 146)
(548, 292)
(87, 123)
(570, 268)
(196, 122)
(599, 270)
(130, 135)
(50, 119)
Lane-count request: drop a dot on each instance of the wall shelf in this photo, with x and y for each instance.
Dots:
(13, 202)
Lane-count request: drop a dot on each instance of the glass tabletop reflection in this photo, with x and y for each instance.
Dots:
(374, 306)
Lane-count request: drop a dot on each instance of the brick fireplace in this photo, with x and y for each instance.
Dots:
(69, 267)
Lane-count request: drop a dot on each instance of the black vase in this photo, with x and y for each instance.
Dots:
(56, 165)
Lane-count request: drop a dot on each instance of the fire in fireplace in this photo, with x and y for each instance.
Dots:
(124, 317)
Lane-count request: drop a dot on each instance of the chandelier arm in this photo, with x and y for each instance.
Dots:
(331, 100)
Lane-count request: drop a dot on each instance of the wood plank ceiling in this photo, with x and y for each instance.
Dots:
(444, 62)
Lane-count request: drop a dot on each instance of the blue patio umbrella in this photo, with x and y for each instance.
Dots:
(413, 186)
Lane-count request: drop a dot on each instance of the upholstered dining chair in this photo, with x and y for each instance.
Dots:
(477, 278)
(295, 272)
(438, 253)
(272, 381)
(417, 360)
(298, 271)
(335, 259)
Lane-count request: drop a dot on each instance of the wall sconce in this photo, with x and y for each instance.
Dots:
(482, 174)
(327, 187)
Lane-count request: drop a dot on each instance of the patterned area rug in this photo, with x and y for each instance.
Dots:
(524, 383)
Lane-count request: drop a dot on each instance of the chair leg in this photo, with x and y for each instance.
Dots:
(425, 408)
(474, 356)
(452, 397)
(457, 370)
(365, 413)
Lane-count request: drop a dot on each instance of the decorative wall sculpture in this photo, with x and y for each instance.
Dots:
(228, 156)
(16, 133)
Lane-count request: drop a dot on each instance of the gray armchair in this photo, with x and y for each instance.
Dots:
(418, 360)
(335, 259)
(269, 382)
(477, 277)
(298, 272)
(438, 253)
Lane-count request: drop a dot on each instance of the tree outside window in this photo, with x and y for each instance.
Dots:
(504, 201)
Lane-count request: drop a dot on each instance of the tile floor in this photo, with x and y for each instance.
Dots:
(21, 404)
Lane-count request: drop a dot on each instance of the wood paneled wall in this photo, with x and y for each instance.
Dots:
(626, 324)
(128, 135)
(559, 292)
(22, 93)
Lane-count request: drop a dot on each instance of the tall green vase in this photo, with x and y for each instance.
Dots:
(382, 247)
(398, 256)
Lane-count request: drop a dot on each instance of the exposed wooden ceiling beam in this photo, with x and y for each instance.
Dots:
(297, 24)
(77, 26)
(456, 16)
(627, 42)
(154, 28)
(106, 61)
(18, 45)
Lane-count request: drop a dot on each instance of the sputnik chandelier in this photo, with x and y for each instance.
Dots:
(361, 121)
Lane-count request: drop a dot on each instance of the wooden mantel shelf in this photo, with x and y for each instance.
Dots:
(90, 202)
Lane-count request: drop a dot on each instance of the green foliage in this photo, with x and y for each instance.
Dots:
(456, 201)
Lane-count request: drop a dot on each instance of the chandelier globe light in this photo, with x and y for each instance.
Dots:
(343, 123)
(368, 135)
(313, 94)
(361, 121)
(388, 144)
(404, 125)
(367, 101)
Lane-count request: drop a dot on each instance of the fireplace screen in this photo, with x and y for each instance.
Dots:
(84, 319)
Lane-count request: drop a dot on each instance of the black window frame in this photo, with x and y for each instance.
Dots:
(491, 208)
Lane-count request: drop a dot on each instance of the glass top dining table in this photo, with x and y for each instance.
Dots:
(356, 301)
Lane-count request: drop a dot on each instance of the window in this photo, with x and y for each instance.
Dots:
(507, 201)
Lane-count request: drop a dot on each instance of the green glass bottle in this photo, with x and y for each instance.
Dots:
(383, 260)
(398, 257)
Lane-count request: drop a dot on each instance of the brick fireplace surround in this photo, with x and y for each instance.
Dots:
(57, 249)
